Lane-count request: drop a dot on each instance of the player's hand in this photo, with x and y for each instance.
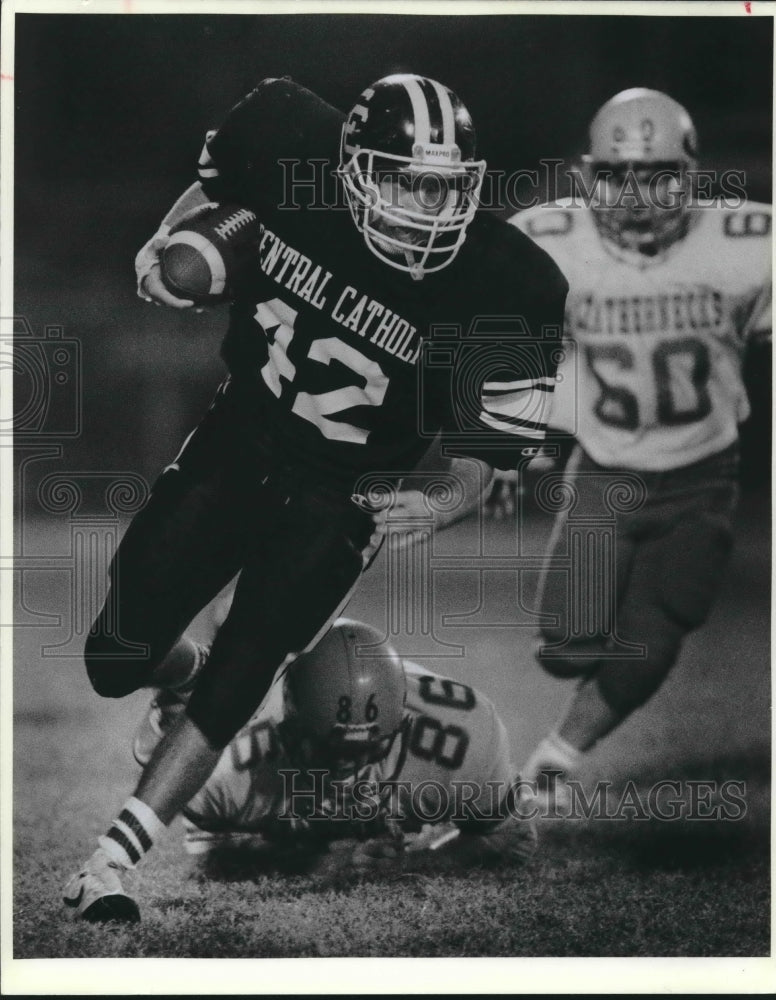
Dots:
(149, 274)
(408, 506)
(502, 500)
(407, 514)
(515, 840)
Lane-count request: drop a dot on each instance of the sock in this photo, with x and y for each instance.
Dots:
(132, 833)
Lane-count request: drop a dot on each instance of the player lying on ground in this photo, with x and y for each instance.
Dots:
(352, 742)
(667, 293)
(324, 350)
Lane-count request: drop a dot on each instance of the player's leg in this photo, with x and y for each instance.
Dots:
(567, 644)
(674, 583)
(176, 555)
(568, 655)
(674, 578)
(295, 580)
(291, 588)
(287, 596)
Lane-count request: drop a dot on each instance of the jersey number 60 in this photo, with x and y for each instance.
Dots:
(680, 369)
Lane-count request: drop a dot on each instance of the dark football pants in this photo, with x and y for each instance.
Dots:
(209, 517)
(669, 557)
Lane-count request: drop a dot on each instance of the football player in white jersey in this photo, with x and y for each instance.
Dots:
(667, 292)
(353, 741)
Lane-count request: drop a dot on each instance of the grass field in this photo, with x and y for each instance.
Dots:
(624, 887)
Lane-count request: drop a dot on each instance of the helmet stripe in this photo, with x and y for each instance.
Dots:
(448, 115)
(419, 111)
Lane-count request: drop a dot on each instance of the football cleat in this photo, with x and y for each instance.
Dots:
(164, 710)
(96, 892)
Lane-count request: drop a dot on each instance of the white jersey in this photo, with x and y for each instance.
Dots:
(652, 375)
(456, 748)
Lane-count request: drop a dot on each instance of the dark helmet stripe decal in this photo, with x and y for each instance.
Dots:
(446, 112)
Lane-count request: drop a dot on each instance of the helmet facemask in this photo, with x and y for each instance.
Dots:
(353, 759)
(409, 172)
(413, 215)
(643, 151)
(345, 752)
(640, 206)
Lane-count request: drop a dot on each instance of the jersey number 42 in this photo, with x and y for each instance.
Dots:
(370, 383)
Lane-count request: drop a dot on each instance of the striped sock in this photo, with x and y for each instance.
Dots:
(132, 833)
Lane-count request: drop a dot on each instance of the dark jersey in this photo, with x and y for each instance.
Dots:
(344, 365)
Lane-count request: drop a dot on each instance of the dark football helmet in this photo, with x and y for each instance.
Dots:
(645, 142)
(409, 168)
(345, 699)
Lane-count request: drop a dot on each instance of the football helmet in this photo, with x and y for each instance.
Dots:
(345, 699)
(643, 148)
(409, 169)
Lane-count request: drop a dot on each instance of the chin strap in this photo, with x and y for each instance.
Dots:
(416, 270)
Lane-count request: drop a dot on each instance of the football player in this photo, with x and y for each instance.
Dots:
(351, 740)
(667, 293)
(360, 265)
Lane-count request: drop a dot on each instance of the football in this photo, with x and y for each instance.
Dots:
(206, 251)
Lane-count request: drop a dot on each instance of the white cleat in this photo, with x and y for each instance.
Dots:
(162, 713)
(96, 892)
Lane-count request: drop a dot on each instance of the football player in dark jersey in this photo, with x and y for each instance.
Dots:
(332, 379)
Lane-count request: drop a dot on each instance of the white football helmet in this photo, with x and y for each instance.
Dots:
(643, 148)
(408, 166)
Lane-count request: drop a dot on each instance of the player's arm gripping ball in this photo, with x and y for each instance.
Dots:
(150, 286)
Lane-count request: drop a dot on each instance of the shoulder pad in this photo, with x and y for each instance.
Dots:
(544, 221)
(551, 222)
